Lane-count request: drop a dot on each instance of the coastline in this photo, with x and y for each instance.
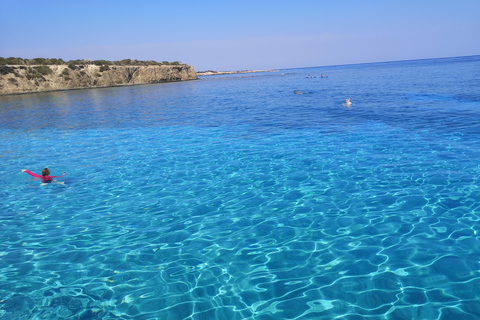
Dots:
(90, 76)
(20, 79)
(213, 73)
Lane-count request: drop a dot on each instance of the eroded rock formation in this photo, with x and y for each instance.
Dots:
(24, 79)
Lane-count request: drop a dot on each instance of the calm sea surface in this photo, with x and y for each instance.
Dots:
(231, 197)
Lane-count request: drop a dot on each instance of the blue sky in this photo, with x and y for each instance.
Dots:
(241, 35)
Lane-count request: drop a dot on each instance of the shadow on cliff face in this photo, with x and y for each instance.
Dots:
(28, 79)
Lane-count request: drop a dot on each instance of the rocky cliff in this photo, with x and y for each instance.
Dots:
(25, 79)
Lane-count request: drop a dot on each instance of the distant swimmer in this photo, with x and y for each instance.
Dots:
(348, 103)
(324, 76)
(46, 177)
(298, 92)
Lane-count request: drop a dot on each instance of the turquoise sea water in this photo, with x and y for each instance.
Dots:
(231, 197)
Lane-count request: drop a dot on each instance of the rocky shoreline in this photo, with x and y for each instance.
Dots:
(19, 79)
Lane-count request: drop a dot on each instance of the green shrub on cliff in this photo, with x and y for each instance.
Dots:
(57, 61)
(34, 76)
(41, 61)
(102, 62)
(6, 70)
(38, 73)
(81, 62)
(43, 70)
(124, 62)
(14, 61)
(29, 62)
(44, 62)
(13, 81)
(75, 62)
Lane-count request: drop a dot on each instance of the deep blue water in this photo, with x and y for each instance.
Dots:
(231, 197)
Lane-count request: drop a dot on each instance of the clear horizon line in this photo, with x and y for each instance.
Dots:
(387, 61)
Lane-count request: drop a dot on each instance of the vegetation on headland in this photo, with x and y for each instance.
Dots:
(55, 61)
(19, 75)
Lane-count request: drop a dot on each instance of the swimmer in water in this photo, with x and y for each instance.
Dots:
(348, 103)
(46, 177)
(298, 92)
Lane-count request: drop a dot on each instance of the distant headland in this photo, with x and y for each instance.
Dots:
(19, 75)
(211, 72)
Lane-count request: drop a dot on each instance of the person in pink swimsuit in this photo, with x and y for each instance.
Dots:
(46, 177)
